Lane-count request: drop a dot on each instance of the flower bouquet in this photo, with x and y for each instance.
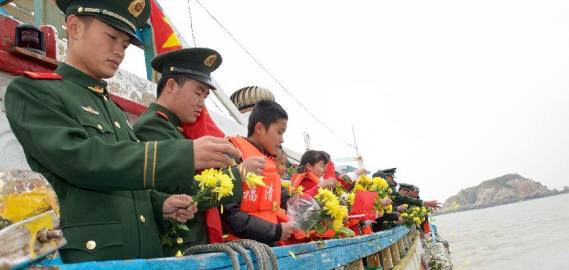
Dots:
(214, 185)
(292, 191)
(379, 186)
(414, 216)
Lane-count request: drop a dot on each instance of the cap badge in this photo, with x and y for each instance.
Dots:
(136, 7)
(210, 60)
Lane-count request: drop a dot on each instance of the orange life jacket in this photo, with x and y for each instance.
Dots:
(262, 202)
(297, 178)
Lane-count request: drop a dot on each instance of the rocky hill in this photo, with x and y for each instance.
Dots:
(504, 189)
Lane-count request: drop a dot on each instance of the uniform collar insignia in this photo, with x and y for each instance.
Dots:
(89, 109)
(163, 115)
(97, 89)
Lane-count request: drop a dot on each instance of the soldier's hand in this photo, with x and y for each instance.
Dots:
(385, 202)
(213, 152)
(252, 164)
(287, 229)
(433, 204)
(379, 213)
(402, 207)
(179, 207)
(399, 220)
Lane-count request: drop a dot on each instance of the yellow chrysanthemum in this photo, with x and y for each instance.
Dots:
(389, 208)
(207, 178)
(351, 198)
(296, 191)
(417, 220)
(332, 208)
(379, 183)
(364, 180)
(254, 180)
(325, 195)
(225, 187)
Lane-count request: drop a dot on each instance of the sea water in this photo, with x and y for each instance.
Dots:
(532, 234)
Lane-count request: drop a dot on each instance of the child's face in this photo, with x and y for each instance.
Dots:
(271, 138)
(316, 169)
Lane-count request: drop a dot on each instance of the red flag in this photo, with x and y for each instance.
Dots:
(363, 205)
(203, 126)
(330, 170)
(164, 37)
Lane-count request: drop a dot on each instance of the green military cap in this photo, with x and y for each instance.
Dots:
(414, 188)
(405, 186)
(389, 172)
(124, 15)
(196, 63)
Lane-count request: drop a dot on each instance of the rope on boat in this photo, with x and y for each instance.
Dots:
(264, 255)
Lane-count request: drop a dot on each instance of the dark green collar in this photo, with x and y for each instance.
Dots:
(165, 113)
(77, 76)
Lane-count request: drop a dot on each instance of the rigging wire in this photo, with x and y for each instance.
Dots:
(192, 24)
(273, 77)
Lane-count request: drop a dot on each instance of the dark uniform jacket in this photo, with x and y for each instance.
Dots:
(77, 137)
(158, 123)
(387, 220)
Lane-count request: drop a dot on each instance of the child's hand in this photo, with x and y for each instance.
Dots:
(252, 164)
(287, 229)
(328, 183)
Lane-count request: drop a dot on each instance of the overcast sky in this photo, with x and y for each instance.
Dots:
(450, 92)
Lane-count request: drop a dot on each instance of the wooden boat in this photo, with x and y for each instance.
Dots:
(398, 248)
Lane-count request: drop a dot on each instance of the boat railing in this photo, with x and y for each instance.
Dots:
(390, 249)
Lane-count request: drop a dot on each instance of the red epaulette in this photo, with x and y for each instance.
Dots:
(43, 75)
(162, 115)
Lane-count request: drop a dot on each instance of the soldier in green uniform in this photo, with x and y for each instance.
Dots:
(181, 92)
(398, 199)
(77, 137)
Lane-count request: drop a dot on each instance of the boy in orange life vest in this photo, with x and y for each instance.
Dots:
(312, 168)
(260, 216)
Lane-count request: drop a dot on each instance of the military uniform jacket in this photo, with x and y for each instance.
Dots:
(158, 123)
(73, 133)
(399, 199)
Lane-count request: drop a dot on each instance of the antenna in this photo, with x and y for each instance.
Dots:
(359, 157)
(306, 140)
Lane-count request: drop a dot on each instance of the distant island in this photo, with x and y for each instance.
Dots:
(505, 189)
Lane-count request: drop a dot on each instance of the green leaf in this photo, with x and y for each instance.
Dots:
(183, 227)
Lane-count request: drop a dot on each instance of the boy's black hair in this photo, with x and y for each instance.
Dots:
(265, 112)
(180, 79)
(312, 157)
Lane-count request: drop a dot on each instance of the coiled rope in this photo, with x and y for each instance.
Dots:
(264, 255)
